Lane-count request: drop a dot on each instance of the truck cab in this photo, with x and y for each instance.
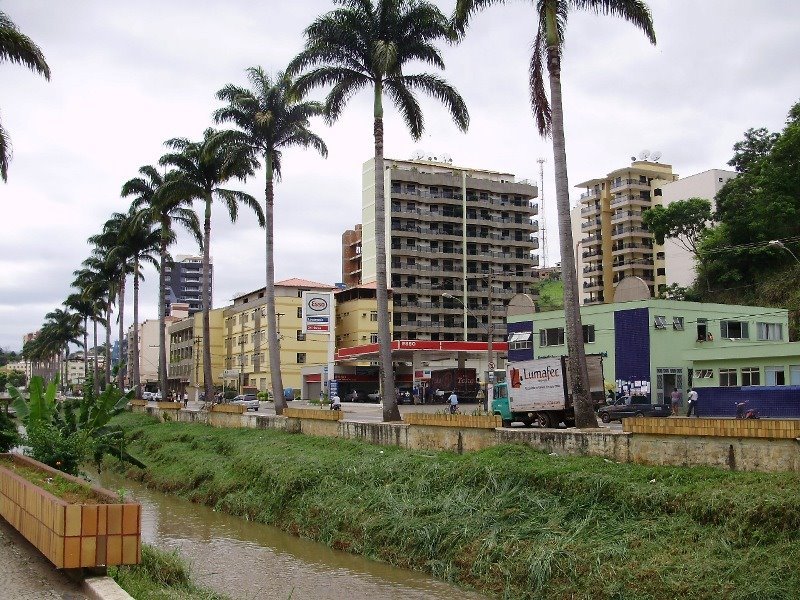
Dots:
(500, 405)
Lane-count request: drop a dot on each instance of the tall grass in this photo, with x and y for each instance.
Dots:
(509, 521)
(160, 576)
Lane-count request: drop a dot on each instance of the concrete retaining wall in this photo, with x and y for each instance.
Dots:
(736, 453)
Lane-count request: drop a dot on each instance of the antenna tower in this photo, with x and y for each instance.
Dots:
(542, 227)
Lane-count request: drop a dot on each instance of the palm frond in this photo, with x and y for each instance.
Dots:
(441, 90)
(16, 47)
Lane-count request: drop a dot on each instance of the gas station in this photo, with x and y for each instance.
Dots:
(414, 362)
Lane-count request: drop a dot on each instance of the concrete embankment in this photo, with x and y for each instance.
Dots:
(766, 445)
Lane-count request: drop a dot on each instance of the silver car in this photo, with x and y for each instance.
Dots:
(249, 401)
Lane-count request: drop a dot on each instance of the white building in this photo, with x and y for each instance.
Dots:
(679, 262)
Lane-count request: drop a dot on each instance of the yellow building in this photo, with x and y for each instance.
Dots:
(185, 360)
(246, 350)
(357, 316)
(611, 241)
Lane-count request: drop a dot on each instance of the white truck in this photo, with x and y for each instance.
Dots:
(537, 391)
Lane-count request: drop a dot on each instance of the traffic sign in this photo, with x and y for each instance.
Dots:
(491, 366)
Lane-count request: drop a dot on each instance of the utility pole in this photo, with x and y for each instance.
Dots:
(542, 222)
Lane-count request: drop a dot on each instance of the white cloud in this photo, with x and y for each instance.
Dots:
(127, 76)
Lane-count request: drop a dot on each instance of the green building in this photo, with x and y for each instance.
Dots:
(652, 346)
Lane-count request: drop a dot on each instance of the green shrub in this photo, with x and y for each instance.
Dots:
(8, 432)
(51, 446)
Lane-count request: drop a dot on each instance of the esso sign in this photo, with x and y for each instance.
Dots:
(317, 304)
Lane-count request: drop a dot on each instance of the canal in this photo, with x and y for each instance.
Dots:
(254, 561)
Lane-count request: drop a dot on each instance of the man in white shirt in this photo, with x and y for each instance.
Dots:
(336, 402)
(692, 403)
(453, 402)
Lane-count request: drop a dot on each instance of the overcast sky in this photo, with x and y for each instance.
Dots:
(128, 75)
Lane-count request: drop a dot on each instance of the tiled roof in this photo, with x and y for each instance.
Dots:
(303, 283)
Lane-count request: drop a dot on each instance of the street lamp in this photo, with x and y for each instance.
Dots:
(780, 244)
(489, 335)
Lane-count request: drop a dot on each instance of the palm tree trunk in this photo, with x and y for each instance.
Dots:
(162, 334)
(208, 384)
(108, 343)
(95, 371)
(272, 327)
(137, 384)
(388, 397)
(85, 348)
(120, 370)
(578, 374)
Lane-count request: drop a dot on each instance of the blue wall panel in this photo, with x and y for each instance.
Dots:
(769, 401)
(524, 354)
(632, 344)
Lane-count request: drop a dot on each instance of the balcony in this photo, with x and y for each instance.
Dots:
(590, 195)
(590, 210)
(626, 215)
(632, 230)
(633, 263)
(591, 224)
(630, 199)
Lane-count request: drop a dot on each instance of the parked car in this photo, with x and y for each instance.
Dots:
(249, 401)
(147, 395)
(638, 407)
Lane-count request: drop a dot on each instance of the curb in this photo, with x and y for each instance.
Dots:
(104, 588)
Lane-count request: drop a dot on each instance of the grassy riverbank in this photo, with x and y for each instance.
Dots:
(509, 521)
(160, 576)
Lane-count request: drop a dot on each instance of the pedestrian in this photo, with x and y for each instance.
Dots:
(692, 403)
(185, 399)
(453, 403)
(427, 398)
(354, 396)
(336, 402)
(675, 400)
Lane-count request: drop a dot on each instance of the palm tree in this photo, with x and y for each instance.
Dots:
(366, 44)
(141, 244)
(61, 329)
(160, 209)
(272, 118)
(551, 17)
(202, 167)
(80, 305)
(17, 47)
(92, 286)
(108, 272)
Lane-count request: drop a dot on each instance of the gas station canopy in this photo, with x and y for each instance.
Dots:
(404, 350)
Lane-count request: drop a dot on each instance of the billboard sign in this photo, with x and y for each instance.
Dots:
(317, 312)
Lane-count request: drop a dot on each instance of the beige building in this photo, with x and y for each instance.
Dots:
(445, 227)
(611, 241)
(357, 316)
(185, 357)
(149, 343)
(245, 349)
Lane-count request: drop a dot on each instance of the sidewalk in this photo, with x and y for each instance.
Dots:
(27, 575)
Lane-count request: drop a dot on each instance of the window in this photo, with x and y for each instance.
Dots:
(727, 377)
(373, 316)
(520, 340)
(769, 331)
(588, 334)
(299, 312)
(774, 376)
(660, 322)
(301, 337)
(751, 376)
(659, 256)
(702, 330)
(677, 323)
(551, 337)
(704, 373)
(301, 358)
(794, 375)
(373, 338)
(734, 329)
(661, 271)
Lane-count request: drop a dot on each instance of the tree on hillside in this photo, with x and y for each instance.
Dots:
(201, 170)
(273, 117)
(16, 47)
(551, 21)
(756, 145)
(370, 44)
(683, 220)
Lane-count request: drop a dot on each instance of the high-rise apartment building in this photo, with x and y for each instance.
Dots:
(612, 242)
(447, 228)
(351, 257)
(183, 282)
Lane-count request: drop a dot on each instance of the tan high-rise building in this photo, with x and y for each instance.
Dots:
(446, 228)
(351, 257)
(611, 241)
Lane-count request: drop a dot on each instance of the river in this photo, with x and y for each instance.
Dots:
(251, 561)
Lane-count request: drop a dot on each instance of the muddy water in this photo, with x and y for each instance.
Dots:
(252, 561)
